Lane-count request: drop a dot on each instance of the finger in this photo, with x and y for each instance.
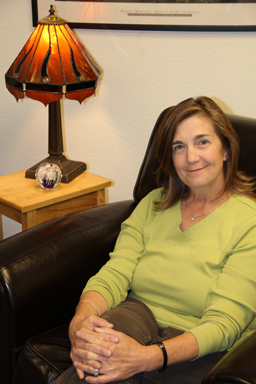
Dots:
(80, 373)
(84, 367)
(87, 336)
(109, 331)
(84, 337)
(109, 334)
(96, 321)
(92, 352)
(99, 343)
(77, 359)
(99, 348)
(101, 379)
(108, 337)
(93, 364)
(95, 338)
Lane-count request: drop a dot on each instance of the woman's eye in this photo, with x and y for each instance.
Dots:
(177, 147)
(203, 142)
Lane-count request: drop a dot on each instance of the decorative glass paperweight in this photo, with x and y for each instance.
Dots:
(48, 175)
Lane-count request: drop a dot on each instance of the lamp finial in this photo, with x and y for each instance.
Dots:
(52, 18)
(51, 10)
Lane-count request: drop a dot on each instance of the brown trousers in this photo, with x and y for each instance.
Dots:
(135, 319)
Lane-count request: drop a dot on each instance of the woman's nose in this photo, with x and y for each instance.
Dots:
(192, 155)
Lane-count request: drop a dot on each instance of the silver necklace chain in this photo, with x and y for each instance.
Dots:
(196, 217)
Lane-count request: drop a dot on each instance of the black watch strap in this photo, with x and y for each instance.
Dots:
(162, 346)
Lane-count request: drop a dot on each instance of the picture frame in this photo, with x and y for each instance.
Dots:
(196, 15)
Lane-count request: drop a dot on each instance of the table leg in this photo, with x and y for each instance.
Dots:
(101, 197)
(1, 228)
(28, 220)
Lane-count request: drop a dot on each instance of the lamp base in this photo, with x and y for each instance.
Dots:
(70, 169)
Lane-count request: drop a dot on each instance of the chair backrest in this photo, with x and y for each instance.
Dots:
(246, 130)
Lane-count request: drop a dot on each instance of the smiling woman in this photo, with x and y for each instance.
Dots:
(183, 268)
(192, 119)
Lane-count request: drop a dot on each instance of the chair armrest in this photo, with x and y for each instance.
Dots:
(238, 366)
(44, 269)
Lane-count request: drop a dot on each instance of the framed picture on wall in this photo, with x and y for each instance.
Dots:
(174, 15)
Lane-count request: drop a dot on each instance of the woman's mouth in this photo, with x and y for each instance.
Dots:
(195, 170)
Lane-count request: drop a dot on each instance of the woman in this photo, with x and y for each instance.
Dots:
(186, 260)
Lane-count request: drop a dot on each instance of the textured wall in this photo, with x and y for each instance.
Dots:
(144, 72)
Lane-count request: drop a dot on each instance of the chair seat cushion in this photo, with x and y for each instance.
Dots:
(44, 358)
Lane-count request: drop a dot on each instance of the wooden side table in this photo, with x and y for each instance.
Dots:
(24, 201)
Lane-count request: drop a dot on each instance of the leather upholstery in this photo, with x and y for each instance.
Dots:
(238, 366)
(44, 269)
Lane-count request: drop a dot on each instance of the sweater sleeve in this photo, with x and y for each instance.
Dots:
(113, 280)
(231, 302)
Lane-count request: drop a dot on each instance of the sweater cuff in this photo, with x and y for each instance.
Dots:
(209, 338)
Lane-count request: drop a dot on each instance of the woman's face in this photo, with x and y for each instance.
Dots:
(198, 155)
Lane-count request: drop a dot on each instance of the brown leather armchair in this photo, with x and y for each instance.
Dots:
(44, 269)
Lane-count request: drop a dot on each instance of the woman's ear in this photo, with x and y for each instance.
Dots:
(225, 155)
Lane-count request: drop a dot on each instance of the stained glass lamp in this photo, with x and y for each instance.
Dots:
(54, 64)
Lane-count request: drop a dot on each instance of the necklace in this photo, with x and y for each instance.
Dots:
(196, 217)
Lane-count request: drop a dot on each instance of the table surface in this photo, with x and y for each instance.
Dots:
(26, 195)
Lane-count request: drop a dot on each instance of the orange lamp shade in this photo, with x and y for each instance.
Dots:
(53, 63)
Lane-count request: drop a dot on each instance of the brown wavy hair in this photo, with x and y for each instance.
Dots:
(173, 188)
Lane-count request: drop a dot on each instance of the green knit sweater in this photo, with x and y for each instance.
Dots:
(202, 280)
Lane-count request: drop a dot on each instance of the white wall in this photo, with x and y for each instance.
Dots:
(144, 72)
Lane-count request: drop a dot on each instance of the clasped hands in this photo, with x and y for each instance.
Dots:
(96, 345)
